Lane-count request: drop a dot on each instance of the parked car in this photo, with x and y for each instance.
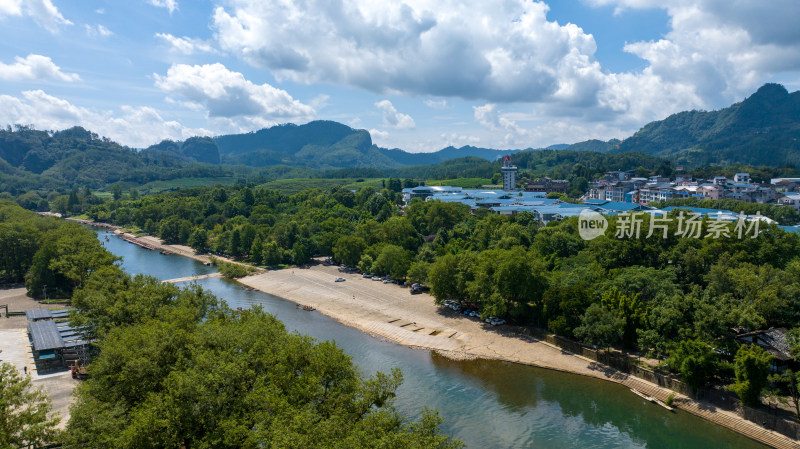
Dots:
(376, 278)
(450, 304)
(494, 321)
(339, 280)
(366, 276)
(414, 291)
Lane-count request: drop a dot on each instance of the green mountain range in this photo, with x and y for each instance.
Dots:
(764, 129)
(325, 145)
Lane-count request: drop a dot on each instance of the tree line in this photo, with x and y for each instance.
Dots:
(646, 294)
(176, 367)
(51, 256)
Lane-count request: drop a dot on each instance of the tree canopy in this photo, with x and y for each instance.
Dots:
(26, 416)
(177, 368)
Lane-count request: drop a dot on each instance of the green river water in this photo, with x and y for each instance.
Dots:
(486, 404)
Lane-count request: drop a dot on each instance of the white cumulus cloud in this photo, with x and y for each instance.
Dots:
(393, 118)
(97, 30)
(508, 52)
(499, 51)
(488, 116)
(377, 134)
(433, 104)
(11, 7)
(186, 45)
(171, 5)
(133, 126)
(227, 94)
(722, 51)
(34, 67)
(43, 12)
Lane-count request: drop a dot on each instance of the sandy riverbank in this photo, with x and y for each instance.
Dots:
(390, 311)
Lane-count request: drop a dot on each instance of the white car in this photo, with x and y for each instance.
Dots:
(494, 321)
(339, 280)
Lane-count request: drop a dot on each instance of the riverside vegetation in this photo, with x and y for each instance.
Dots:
(675, 298)
(177, 367)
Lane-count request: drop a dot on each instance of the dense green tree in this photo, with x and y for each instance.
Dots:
(695, 361)
(26, 417)
(116, 191)
(199, 240)
(418, 271)
(78, 255)
(169, 229)
(751, 366)
(235, 243)
(273, 255)
(73, 202)
(562, 309)
(247, 197)
(600, 327)
(366, 263)
(444, 278)
(393, 260)
(348, 250)
(301, 254)
(788, 383)
(630, 310)
(18, 244)
(395, 185)
(173, 379)
(257, 251)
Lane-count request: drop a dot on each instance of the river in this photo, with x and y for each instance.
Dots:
(484, 403)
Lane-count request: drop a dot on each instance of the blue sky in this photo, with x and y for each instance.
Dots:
(419, 75)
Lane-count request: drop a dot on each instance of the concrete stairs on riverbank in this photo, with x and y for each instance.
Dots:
(410, 334)
(711, 413)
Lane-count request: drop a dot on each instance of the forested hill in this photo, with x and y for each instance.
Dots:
(33, 159)
(764, 129)
(326, 144)
(445, 154)
(319, 145)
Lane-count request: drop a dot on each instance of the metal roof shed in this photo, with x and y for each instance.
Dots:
(45, 335)
(38, 314)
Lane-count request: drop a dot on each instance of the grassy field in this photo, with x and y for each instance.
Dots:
(464, 183)
(290, 186)
(183, 183)
(103, 195)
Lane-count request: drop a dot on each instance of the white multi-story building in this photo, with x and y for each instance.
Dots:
(509, 174)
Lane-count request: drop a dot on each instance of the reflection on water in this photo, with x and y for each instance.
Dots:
(485, 403)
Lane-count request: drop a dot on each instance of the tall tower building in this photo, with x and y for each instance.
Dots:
(509, 174)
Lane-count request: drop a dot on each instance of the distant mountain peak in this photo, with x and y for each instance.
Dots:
(771, 90)
(763, 129)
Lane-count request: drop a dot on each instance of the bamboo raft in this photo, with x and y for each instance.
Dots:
(135, 241)
(646, 397)
(649, 398)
